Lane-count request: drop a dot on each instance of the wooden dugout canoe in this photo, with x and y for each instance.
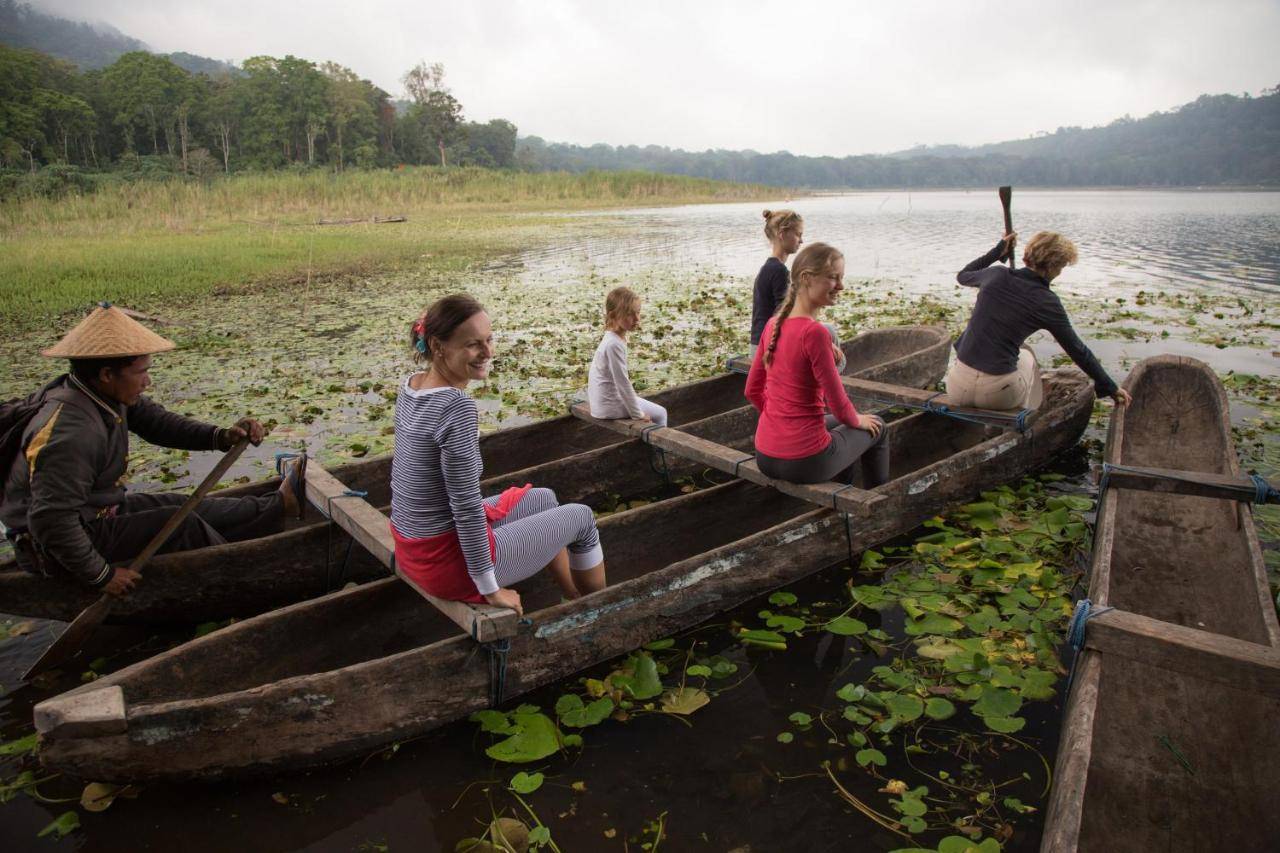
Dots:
(1187, 666)
(246, 578)
(379, 664)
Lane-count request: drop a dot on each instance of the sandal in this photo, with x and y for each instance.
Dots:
(292, 468)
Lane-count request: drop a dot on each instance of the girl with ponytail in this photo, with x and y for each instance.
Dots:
(808, 430)
(784, 229)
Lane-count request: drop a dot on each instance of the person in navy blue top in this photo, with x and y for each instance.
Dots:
(785, 231)
(994, 368)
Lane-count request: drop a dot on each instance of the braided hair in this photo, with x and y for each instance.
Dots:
(814, 259)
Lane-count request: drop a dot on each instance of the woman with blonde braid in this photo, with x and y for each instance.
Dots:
(794, 383)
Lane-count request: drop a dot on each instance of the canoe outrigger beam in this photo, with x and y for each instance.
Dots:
(368, 526)
(837, 496)
(1203, 654)
(1197, 483)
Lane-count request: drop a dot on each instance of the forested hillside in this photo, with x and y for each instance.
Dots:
(1215, 140)
(84, 45)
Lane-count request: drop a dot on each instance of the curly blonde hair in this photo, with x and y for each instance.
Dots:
(777, 221)
(1048, 252)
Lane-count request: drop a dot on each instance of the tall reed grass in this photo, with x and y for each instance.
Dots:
(145, 242)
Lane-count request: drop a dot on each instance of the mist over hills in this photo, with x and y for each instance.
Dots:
(89, 46)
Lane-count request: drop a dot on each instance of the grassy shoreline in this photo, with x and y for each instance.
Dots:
(149, 244)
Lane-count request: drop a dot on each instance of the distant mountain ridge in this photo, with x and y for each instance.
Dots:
(87, 45)
(1216, 140)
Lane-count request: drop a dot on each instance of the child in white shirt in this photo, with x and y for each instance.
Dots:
(609, 391)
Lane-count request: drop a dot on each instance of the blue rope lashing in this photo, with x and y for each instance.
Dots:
(497, 650)
(1076, 632)
(1104, 482)
(1264, 492)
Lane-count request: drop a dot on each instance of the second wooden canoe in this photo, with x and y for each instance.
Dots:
(1171, 739)
(343, 674)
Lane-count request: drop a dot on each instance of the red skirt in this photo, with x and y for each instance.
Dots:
(436, 565)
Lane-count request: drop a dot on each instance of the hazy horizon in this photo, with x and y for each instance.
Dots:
(873, 79)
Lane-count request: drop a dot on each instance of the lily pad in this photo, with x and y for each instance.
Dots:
(997, 702)
(903, 706)
(593, 714)
(536, 738)
(526, 783)
(685, 700)
(870, 756)
(1005, 725)
(638, 678)
(783, 599)
(846, 626)
(938, 708)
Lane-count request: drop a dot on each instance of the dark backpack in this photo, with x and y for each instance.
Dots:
(15, 414)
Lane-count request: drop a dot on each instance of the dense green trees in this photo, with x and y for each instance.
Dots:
(273, 112)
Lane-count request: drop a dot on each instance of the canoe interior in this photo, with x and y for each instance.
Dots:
(1179, 558)
(387, 617)
(1139, 797)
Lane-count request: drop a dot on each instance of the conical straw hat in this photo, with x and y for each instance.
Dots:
(108, 333)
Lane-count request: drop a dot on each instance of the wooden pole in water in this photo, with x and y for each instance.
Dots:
(1006, 200)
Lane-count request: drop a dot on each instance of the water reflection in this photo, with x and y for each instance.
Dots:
(1152, 239)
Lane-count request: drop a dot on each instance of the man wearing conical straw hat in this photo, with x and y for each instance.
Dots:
(63, 503)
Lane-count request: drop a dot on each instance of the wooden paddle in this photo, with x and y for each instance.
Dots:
(1006, 199)
(70, 640)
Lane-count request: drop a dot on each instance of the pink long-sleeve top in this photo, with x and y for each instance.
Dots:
(797, 390)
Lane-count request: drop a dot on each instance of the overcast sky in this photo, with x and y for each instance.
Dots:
(841, 77)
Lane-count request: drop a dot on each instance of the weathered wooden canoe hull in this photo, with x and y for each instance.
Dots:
(246, 578)
(197, 712)
(1193, 562)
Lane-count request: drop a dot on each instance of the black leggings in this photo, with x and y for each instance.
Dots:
(835, 462)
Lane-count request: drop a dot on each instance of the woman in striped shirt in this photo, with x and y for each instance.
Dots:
(450, 541)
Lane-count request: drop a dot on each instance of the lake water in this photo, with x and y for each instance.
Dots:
(725, 783)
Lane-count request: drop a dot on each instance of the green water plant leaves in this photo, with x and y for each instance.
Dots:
(903, 706)
(846, 626)
(684, 700)
(590, 715)
(21, 746)
(65, 824)
(638, 677)
(937, 708)
(997, 702)
(865, 757)
(526, 783)
(763, 639)
(535, 738)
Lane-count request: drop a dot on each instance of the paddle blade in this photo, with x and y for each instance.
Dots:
(69, 641)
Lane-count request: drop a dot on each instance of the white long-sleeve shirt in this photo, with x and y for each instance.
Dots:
(609, 391)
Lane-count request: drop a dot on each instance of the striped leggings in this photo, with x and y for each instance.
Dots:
(535, 531)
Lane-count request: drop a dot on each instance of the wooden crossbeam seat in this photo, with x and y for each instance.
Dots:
(741, 464)
(368, 526)
(1170, 481)
(1202, 654)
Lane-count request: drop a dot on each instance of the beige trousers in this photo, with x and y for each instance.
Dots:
(1021, 389)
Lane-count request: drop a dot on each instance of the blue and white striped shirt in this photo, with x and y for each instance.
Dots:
(435, 474)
